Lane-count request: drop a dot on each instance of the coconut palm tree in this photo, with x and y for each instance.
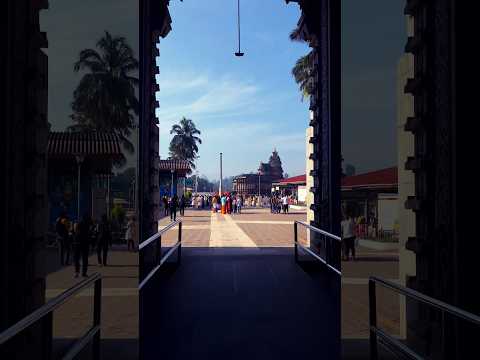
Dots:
(303, 69)
(184, 143)
(105, 98)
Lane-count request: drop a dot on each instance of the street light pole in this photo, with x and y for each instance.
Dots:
(171, 187)
(259, 175)
(221, 175)
(79, 159)
(196, 182)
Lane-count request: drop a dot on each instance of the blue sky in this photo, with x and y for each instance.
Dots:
(245, 107)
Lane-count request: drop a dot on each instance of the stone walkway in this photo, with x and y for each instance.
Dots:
(257, 228)
(224, 232)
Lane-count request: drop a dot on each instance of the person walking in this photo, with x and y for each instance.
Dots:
(82, 244)
(165, 205)
(104, 240)
(230, 203)
(348, 237)
(284, 203)
(173, 208)
(63, 239)
(279, 205)
(223, 201)
(182, 204)
(129, 234)
(234, 201)
(214, 204)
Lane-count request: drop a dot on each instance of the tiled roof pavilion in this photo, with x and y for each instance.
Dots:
(179, 166)
(384, 178)
(65, 144)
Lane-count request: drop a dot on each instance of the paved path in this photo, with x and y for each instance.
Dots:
(258, 229)
(224, 232)
(241, 304)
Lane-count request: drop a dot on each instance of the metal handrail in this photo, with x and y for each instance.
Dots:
(45, 314)
(319, 231)
(306, 249)
(160, 260)
(158, 234)
(376, 333)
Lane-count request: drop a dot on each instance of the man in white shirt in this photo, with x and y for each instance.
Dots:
(348, 237)
(284, 203)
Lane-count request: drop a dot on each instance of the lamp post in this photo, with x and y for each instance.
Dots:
(259, 176)
(221, 175)
(80, 159)
(196, 182)
(171, 186)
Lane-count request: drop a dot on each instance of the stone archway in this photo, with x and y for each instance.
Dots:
(319, 26)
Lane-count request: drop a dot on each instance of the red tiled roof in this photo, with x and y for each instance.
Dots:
(76, 143)
(173, 164)
(293, 180)
(375, 179)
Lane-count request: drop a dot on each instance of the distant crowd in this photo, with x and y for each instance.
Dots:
(227, 203)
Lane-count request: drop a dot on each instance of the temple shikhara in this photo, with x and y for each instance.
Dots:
(260, 182)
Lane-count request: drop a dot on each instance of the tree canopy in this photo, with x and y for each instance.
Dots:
(184, 144)
(105, 98)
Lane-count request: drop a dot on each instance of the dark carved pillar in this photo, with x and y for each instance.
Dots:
(154, 23)
(444, 252)
(320, 26)
(23, 115)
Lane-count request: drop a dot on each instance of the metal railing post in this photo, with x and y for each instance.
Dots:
(295, 240)
(179, 254)
(42, 319)
(159, 257)
(327, 250)
(97, 311)
(372, 296)
(47, 334)
(158, 250)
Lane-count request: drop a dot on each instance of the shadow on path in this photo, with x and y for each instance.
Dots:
(241, 304)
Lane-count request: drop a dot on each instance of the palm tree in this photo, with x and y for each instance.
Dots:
(105, 98)
(184, 143)
(303, 69)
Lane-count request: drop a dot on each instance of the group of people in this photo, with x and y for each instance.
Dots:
(280, 203)
(227, 203)
(173, 204)
(86, 237)
(200, 201)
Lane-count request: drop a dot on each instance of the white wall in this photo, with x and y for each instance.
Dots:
(302, 194)
(387, 211)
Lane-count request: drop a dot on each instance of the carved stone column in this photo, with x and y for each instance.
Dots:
(23, 114)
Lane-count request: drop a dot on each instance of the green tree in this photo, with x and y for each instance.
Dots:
(118, 214)
(303, 69)
(184, 142)
(105, 98)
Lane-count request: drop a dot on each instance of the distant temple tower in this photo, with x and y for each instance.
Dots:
(276, 170)
(273, 168)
